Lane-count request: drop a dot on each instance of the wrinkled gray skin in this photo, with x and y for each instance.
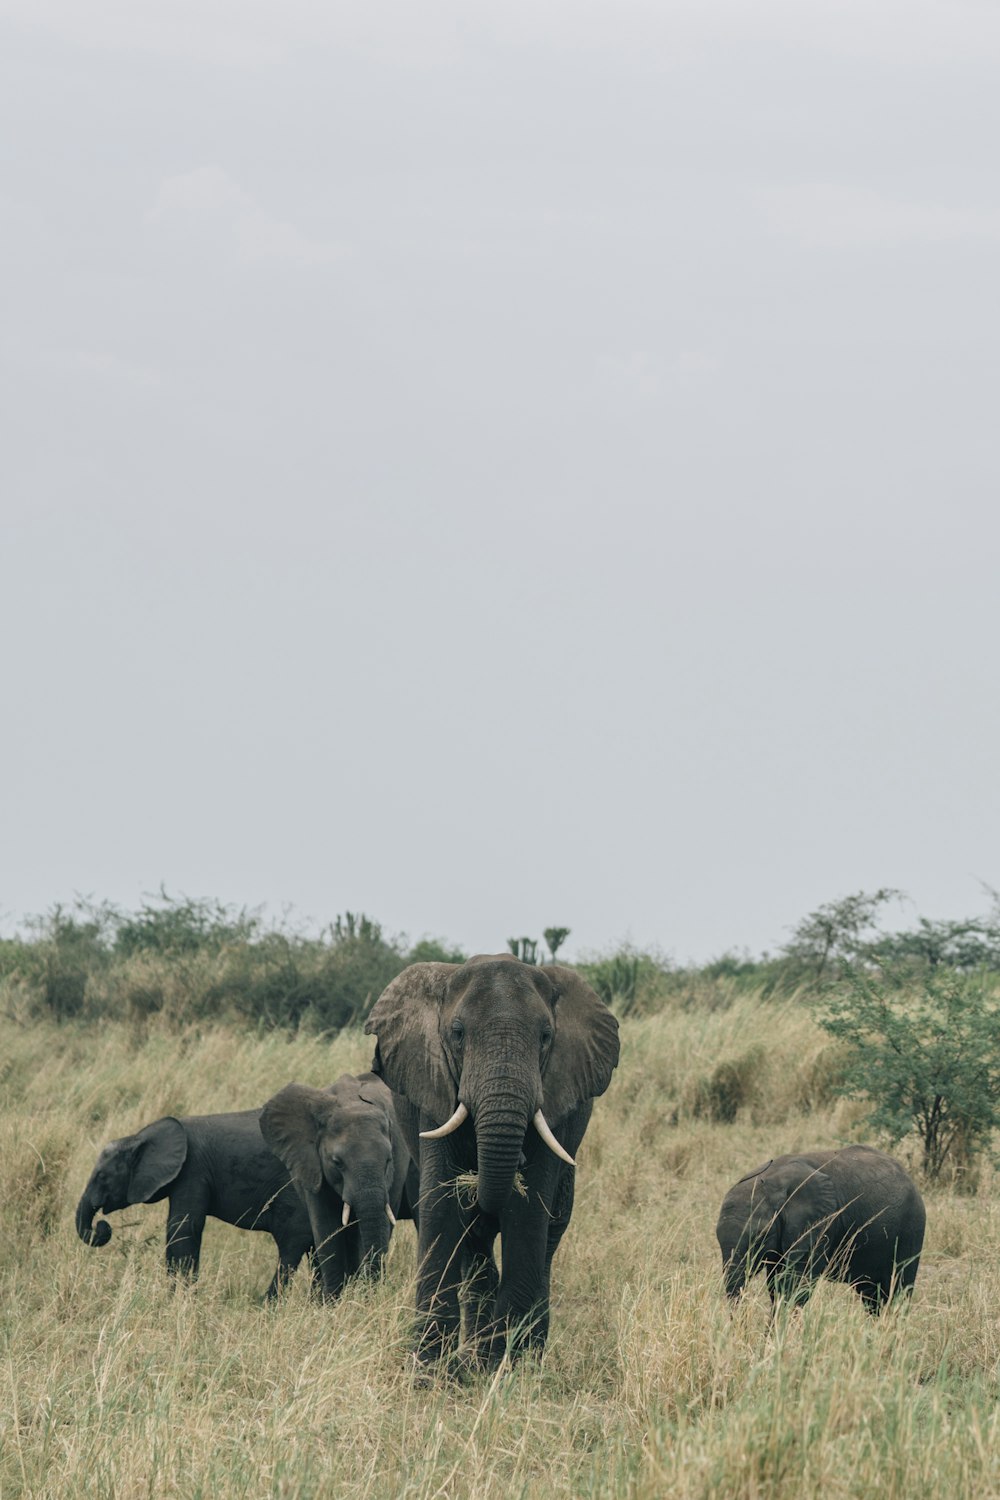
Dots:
(343, 1145)
(502, 1038)
(214, 1166)
(853, 1215)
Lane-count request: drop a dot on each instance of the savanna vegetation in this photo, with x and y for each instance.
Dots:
(115, 1384)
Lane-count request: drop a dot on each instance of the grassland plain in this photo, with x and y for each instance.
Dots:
(113, 1384)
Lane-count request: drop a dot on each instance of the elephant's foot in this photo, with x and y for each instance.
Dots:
(514, 1333)
(437, 1339)
(456, 1368)
(423, 1372)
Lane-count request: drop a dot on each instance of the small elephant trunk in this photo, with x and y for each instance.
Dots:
(92, 1234)
(375, 1230)
(745, 1238)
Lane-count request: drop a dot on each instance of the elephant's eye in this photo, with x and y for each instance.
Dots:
(458, 1031)
(546, 1035)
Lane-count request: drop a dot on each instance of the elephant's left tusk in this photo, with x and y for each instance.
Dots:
(461, 1114)
(392, 1216)
(345, 1217)
(541, 1124)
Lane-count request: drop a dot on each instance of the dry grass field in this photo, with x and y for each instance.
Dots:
(113, 1384)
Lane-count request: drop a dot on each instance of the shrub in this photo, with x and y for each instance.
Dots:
(973, 943)
(182, 924)
(68, 953)
(927, 1057)
(731, 1084)
(631, 981)
(435, 951)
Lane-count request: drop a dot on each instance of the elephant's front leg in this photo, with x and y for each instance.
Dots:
(439, 1257)
(521, 1317)
(481, 1283)
(185, 1223)
(290, 1253)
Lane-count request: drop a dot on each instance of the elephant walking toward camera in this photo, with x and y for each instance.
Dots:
(346, 1153)
(494, 1065)
(214, 1166)
(853, 1215)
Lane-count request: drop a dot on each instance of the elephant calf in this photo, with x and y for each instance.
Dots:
(207, 1165)
(348, 1160)
(853, 1215)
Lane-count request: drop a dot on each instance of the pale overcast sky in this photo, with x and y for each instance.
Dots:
(496, 464)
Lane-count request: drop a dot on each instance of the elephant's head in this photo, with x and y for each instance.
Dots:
(778, 1214)
(137, 1169)
(343, 1140)
(503, 1043)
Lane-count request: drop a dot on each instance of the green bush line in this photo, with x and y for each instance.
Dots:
(183, 959)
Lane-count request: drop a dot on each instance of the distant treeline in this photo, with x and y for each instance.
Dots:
(187, 960)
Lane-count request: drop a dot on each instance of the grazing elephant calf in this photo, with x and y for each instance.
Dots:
(853, 1215)
(348, 1160)
(208, 1165)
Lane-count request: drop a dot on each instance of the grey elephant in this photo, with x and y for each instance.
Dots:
(853, 1215)
(214, 1166)
(494, 1065)
(348, 1159)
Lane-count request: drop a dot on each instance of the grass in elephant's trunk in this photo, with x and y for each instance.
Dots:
(467, 1184)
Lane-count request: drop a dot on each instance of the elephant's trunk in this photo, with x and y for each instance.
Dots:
(89, 1232)
(500, 1132)
(735, 1270)
(374, 1230)
(746, 1240)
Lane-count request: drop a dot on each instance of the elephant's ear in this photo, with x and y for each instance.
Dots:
(160, 1152)
(806, 1203)
(410, 1055)
(585, 1047)
(289, 1124)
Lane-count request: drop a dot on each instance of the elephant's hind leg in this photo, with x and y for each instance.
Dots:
(290, 1253)
(440, 1257)
(874, 1295)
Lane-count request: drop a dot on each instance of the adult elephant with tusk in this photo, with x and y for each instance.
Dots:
(510, 1057)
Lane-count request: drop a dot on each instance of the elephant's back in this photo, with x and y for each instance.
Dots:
(238, 1160)
(884, 1194)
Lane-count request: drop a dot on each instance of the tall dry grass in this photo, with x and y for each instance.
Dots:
(113, 1384)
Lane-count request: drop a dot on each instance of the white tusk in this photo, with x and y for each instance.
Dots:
(345, 1217)
(541, 1124)
(392, 1216)
(456, 1120)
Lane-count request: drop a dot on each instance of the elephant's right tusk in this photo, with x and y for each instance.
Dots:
(461, 1114)
(541, 1124)
(392, 1216)
(345, 1217)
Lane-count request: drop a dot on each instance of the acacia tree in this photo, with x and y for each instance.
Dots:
(927, 1057)
(836, 931)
